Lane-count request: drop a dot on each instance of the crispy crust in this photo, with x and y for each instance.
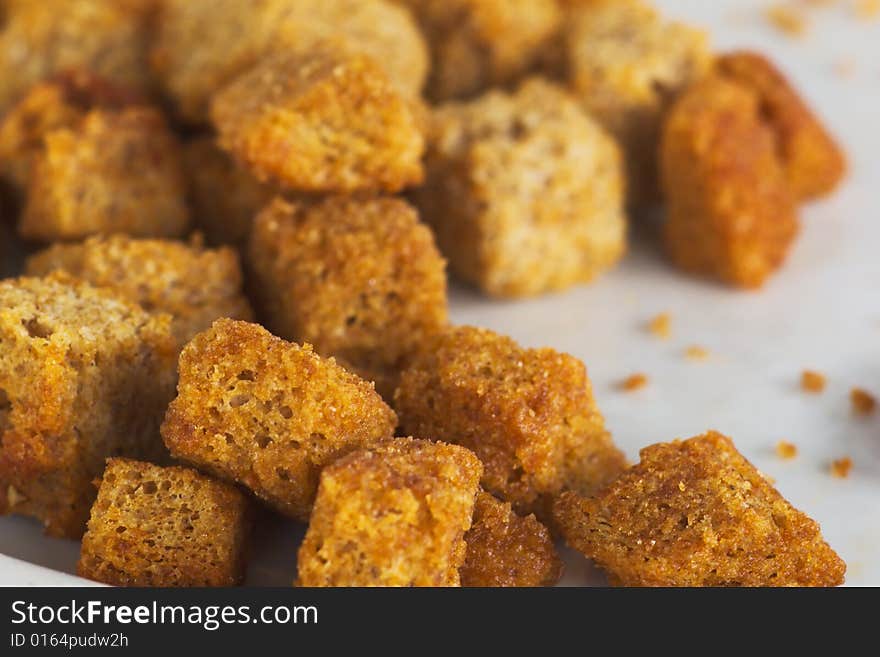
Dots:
(524, 191)
(392, 515)
(627, 65)
(41, 38)
(321, 120)
(269, 414)
(731, 212)
(696, 513)
(74, 357)
(529, 414)
(478, 44)
(359, 279)
(115, 172)
(504, 549)
(201, 45)
(224, 196)
(171, 526)
(814, 163)
(192, 284)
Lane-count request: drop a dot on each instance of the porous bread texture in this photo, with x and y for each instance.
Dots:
(269, 414)
(224, 196)
(192, 284)
(627, 64)
(321, 119)
(731, 213)
(479, 44)
(524, 191)
(391, 515)
(504, 549)
(814, 163)
(359, 279)
(201, 45)
(529, 414)
(115, 172)
(40, 38)
(164, 526)
(696, 513)
(60, 102)
(84, 375)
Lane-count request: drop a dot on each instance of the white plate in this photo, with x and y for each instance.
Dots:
(822, 311)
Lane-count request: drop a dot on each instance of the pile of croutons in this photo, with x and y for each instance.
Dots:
(183, 169)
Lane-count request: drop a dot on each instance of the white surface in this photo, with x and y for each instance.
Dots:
(822, 311)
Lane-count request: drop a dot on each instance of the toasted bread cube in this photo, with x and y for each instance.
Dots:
(171, 526)
(814, 164)
(627, 64)
(731, 213)
(524, 191)
(61, 102)
(268, 414)
(504, 549)
(40, 38)
(321, 120)
(360, 280)
(224, 196)
(202, 45)
(116, 172)
(529, 414)
(392, 515)
(84, 375)
(192, 284)
(696, 513)
(478, 44)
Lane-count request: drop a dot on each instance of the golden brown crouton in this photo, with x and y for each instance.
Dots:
(359, 279)
(225, 197)
(39, 38)
(504, 549)
(391, 515)
(524, 191)
(83, 375)
(192, 284)
(731, 212)
(201, 45)
(478, 44)
(696, 513)
(268, 414)
(61, 102)
(320, 120)
(626, 64)
(529, 414)
(171, 526)
(116, 172)
(814, 164)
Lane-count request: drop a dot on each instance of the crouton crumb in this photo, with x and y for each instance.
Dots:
(863, 402)
(813, 381)
(789, 20)
(868, 9)
(634, 382)
(840, 468)
(845, 68)
(786, 450)
(696, 352)
(661, 326)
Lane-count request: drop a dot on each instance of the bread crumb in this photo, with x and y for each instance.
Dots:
(840, 468)
(786, 450)
(696, 352)
(868, 9)
(845, 67)
(661, 326)
(812, 381)
(634, 382)
(788, 20)
(863, 402)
